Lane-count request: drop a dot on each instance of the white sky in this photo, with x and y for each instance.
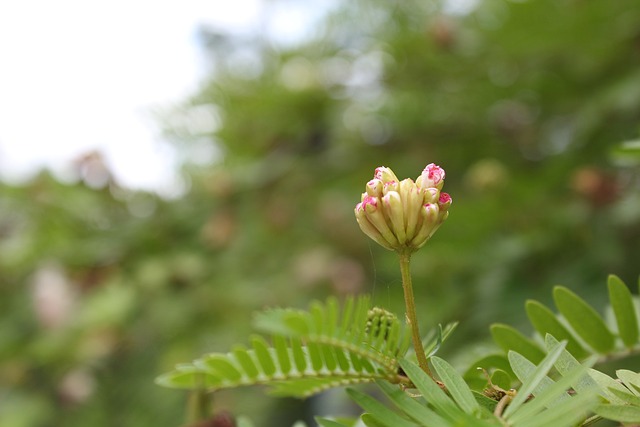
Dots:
(77, 75)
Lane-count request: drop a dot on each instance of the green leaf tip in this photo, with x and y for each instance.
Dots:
(584, 320)
(509, 338)
(546, 322)
(624, 310)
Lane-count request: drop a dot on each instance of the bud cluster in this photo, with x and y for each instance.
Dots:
(403, 215)
(379, 321)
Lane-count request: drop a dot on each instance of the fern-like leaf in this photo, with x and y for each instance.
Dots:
(310, 351)
(324, 324)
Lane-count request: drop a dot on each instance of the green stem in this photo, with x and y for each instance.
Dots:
(591, 420)
(409, 301)
(198, 406)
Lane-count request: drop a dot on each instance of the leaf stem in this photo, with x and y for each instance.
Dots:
(412, 319)
(591, 420)
(198, 406)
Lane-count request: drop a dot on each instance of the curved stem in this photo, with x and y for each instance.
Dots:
(412, 319)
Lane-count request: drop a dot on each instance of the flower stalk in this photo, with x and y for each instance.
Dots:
(410, 307)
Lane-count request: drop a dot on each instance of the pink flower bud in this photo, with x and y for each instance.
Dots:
(374, 188)
(369, 203)
(432, 176)
(385, 174)
(444, 201)
(390, 186)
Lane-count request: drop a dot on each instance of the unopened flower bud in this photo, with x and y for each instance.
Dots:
(380, 322)
(385, 174)
(390, 186)
(373, 211)
(369, 229)
(395, 212)
(431, 195)
(444, 201)
(429, 216)
(432, 176)
(411, 197)
(374, 188)
(403, 215)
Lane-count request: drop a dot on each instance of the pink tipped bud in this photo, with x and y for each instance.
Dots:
(432, 176)
(390, 186)
(431, 195)
(385, 174)
(444, 201)
(369, 203)
(374, 188)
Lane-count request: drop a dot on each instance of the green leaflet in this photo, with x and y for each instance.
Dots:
(410, 406)
(324, 422)
(379, 412)
(501, 379)
(545, 322)
(524, 369)
(474, 375)
(436, 336)
(565, 415)
(584, 319)
(608, 386)
(509, 338)
(554, 396)
(625, 397)
(187, 376)
(624, 311)
(455, 384)
(622, 413)
(261, 351)
(567, 363)
(537, 376)
(630, 379)
(371, 421)
(431, 392)
(485, 402)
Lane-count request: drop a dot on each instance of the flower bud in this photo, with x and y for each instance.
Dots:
(429, 215)
(390, 186)
(369, 229)
(380, 322)
(385, 174)
(403, 215)
(443, 203)
(431, 195)
(374, 188)
(432, 176)
(395, 212)
(411, 197)
(373, 211)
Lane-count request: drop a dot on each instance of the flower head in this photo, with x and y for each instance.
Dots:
(403, 215)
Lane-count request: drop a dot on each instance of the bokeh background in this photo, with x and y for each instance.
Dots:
(532, 107)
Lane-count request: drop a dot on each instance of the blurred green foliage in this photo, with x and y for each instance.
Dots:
(525, 104)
